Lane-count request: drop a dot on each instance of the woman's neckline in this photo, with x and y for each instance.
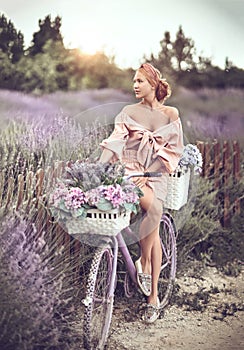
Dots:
(149, 107)
(155, 130)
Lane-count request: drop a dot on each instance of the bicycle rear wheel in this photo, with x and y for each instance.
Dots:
(167, 233)
(98, 302)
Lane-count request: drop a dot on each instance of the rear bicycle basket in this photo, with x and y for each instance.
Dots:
(177, 189)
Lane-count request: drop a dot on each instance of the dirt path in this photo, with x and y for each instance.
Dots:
(207, 315)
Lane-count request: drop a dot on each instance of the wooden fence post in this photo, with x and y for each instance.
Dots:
(29, 189)
(227, 173)
(20, 194)
(10, 191)
(40, 210)
(207, 161)
(2, 180)
(217, 165)
(39, 183)
(236, 173)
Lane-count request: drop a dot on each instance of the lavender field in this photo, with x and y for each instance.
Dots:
(206, 114)
(37, 286)
(69, 125)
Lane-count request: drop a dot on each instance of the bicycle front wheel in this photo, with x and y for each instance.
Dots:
(98, 302)
(167, 233)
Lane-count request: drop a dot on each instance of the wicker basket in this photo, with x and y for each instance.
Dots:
(177, 191)
(98, 222)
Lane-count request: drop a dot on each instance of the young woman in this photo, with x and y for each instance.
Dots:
(148, 136)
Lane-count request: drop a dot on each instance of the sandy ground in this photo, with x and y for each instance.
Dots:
(207, 314)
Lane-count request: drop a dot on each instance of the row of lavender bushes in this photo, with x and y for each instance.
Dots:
(40, 295)
(35, 280)
(37, 309)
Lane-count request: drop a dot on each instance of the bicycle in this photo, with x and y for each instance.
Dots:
(101, 283)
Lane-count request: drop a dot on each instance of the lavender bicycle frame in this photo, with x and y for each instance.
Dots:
(118, 242)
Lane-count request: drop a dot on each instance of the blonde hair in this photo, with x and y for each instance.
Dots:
(153, 75)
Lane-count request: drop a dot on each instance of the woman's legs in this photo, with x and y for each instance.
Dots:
(156, 267)
(151, 251)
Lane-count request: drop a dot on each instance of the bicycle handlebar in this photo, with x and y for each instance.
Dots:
(152, 174)
(146, 174)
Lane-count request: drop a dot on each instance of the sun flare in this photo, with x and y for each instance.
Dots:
(90, 42)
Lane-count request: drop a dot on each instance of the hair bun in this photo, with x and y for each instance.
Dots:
(163, 90)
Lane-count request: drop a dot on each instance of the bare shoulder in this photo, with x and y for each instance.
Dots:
(129, 108)
(172, 113)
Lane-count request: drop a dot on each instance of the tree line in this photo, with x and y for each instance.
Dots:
(47, 65)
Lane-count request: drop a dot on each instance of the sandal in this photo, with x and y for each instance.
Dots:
(144, 280)
(152, 312)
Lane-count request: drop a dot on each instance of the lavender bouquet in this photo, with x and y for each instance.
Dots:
(93, 186)
(191, 158)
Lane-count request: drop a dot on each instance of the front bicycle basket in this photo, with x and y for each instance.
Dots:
(107, 223)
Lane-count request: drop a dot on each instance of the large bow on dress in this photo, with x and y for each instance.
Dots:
(150, 142)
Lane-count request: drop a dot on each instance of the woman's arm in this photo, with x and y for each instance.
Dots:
(114, 144)
(106, 156)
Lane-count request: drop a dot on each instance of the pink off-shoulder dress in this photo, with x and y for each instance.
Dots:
(137, 147)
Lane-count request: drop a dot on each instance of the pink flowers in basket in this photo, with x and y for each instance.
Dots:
(93, 185)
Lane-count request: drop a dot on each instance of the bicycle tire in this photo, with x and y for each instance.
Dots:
(168, 235)
(99, 305)
(129, 286)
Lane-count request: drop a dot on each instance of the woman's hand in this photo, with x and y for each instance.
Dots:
(140, 181)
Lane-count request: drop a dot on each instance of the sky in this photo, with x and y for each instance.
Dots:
(132, 29)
